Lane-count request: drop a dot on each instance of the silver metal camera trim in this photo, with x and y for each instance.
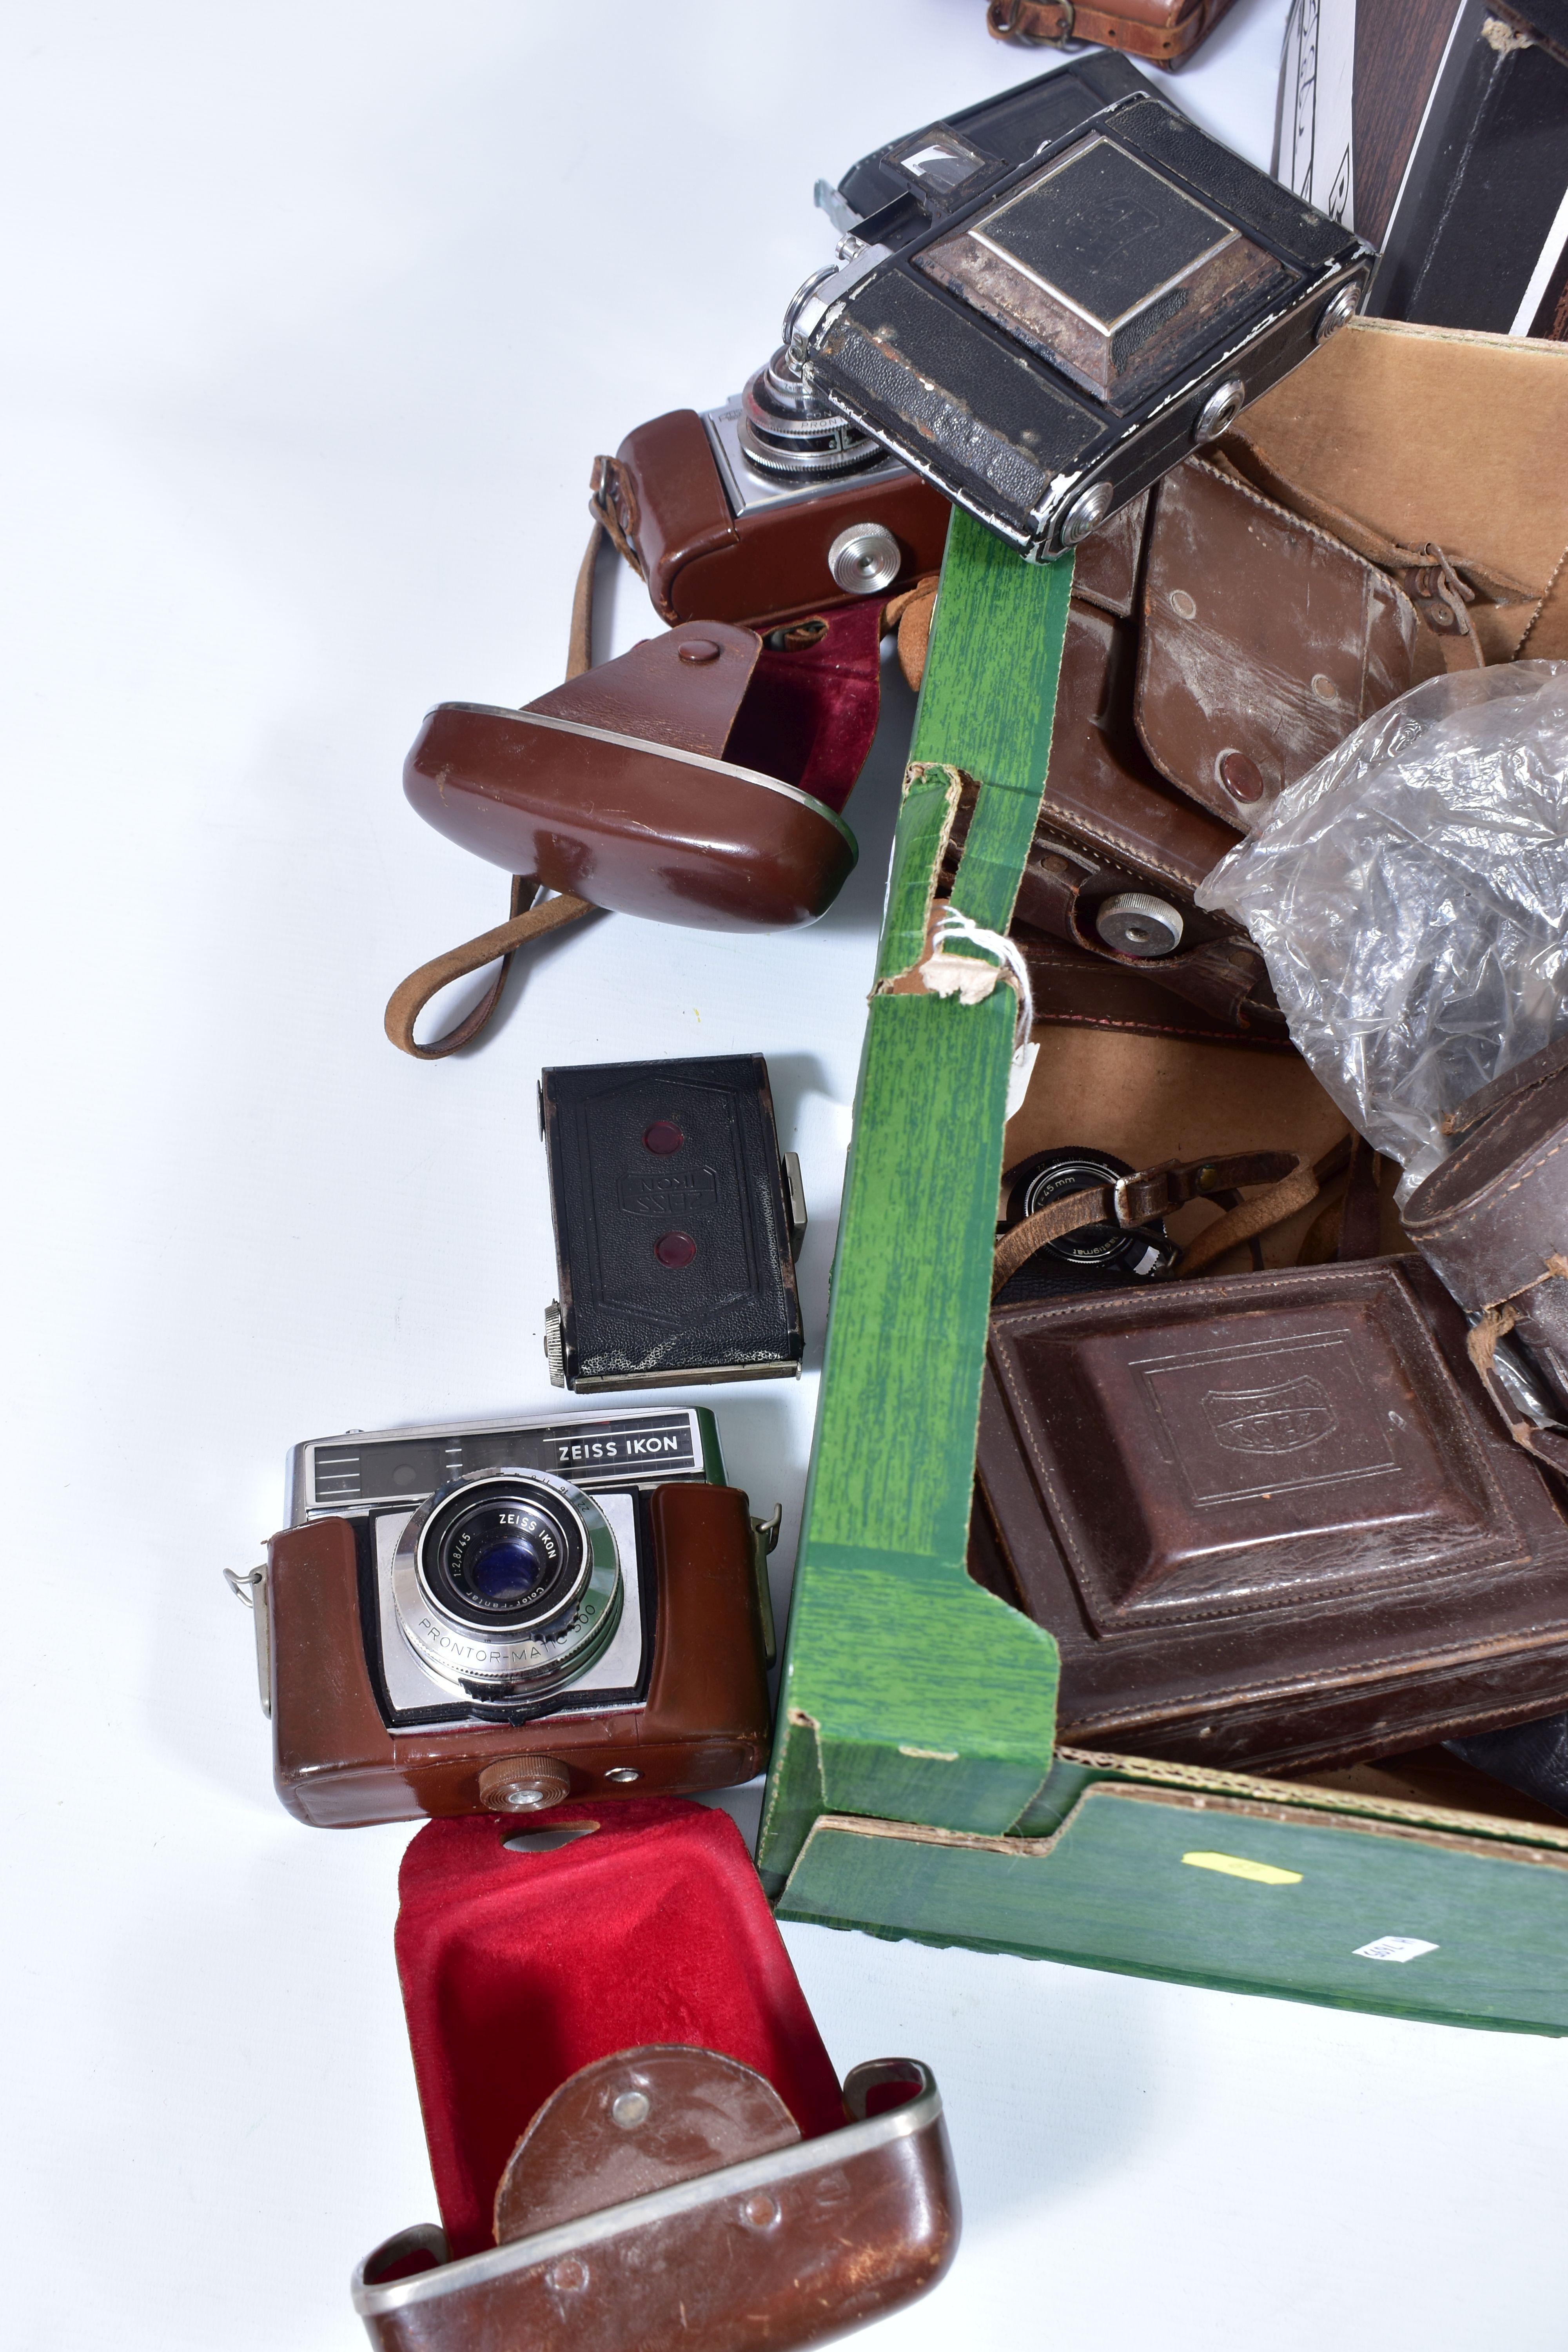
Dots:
(749, 492)
(412, 1687)
(458, 1654)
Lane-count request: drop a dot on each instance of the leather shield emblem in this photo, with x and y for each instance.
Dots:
(1279, 1420)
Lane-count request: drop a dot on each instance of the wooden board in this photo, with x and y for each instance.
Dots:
(907, 1690)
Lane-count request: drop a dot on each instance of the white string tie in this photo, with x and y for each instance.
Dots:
(971, 982)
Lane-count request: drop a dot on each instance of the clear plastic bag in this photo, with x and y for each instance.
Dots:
(1410, 898)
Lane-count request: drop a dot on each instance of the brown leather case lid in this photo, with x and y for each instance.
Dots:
(1264, 643)
(1271, 1517)
(672, 835)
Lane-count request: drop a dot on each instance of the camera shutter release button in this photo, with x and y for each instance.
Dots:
(865, 559)
(698, 649)
(523, 1784)
(675, 1249)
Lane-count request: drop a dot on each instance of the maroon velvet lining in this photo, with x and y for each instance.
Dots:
(519, 1968)
(808, 715)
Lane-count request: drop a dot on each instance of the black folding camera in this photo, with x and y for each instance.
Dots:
(676, 1224)
(1042, 338)
(775, 505)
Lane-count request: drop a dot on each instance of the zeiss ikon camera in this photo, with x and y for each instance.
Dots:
(469, 1619)
(1042, 336)
(778, 504)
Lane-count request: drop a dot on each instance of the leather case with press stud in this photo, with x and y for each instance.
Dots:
(702, 1722)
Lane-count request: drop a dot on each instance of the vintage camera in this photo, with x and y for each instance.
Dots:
(777, 505)
(1044, 337)
(768, 511)
(676, 1224)
(464, 1619)
(1093, 1256)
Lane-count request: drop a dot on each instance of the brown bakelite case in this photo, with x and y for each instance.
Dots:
(695, 780)
(1271, 1519)
(635, 2133)
(703, 1725)
(765, 567)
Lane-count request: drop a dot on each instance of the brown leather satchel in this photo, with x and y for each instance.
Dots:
(1165, 31)
(1217, 646)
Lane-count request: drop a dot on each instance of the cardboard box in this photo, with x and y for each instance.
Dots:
(915, 1790)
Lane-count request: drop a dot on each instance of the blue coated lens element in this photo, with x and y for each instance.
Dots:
(508, 1570)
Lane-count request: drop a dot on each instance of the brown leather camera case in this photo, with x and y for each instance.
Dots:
(634, 786)
(704, 1724)
(703, 563)
(1270, 1519)
(1164, 32)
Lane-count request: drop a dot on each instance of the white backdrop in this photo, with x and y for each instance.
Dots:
(314, 318)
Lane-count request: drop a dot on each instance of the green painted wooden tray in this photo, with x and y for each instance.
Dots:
(914, 1790)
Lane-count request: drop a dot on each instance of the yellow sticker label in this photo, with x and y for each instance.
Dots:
(1237, 1865)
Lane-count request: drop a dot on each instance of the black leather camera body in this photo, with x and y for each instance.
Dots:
(1042, 338)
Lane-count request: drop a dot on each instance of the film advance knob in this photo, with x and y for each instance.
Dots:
(865, 559)
(523, 1784)
(1135, 924)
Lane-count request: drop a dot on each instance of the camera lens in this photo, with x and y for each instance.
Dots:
(507, 1584)
(509, 1557)
(508, 1570)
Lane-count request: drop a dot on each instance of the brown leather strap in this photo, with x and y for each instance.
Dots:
(1547, 1445)
(1052, 22)
(1257, 1216)
(1154, 1192)
(532, 917)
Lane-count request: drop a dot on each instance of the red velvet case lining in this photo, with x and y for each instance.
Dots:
(519, 1968)
(810, 711)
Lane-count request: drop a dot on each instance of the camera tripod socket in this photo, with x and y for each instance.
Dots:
(523, 1784)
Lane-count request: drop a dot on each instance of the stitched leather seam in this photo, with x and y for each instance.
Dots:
(1298, 522)
(1108, 838)
(1150, 1028)
(1447, 1229)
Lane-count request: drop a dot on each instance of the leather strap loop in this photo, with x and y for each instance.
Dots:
(1480, 1342)
(1155, 1192)
(532, 917)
